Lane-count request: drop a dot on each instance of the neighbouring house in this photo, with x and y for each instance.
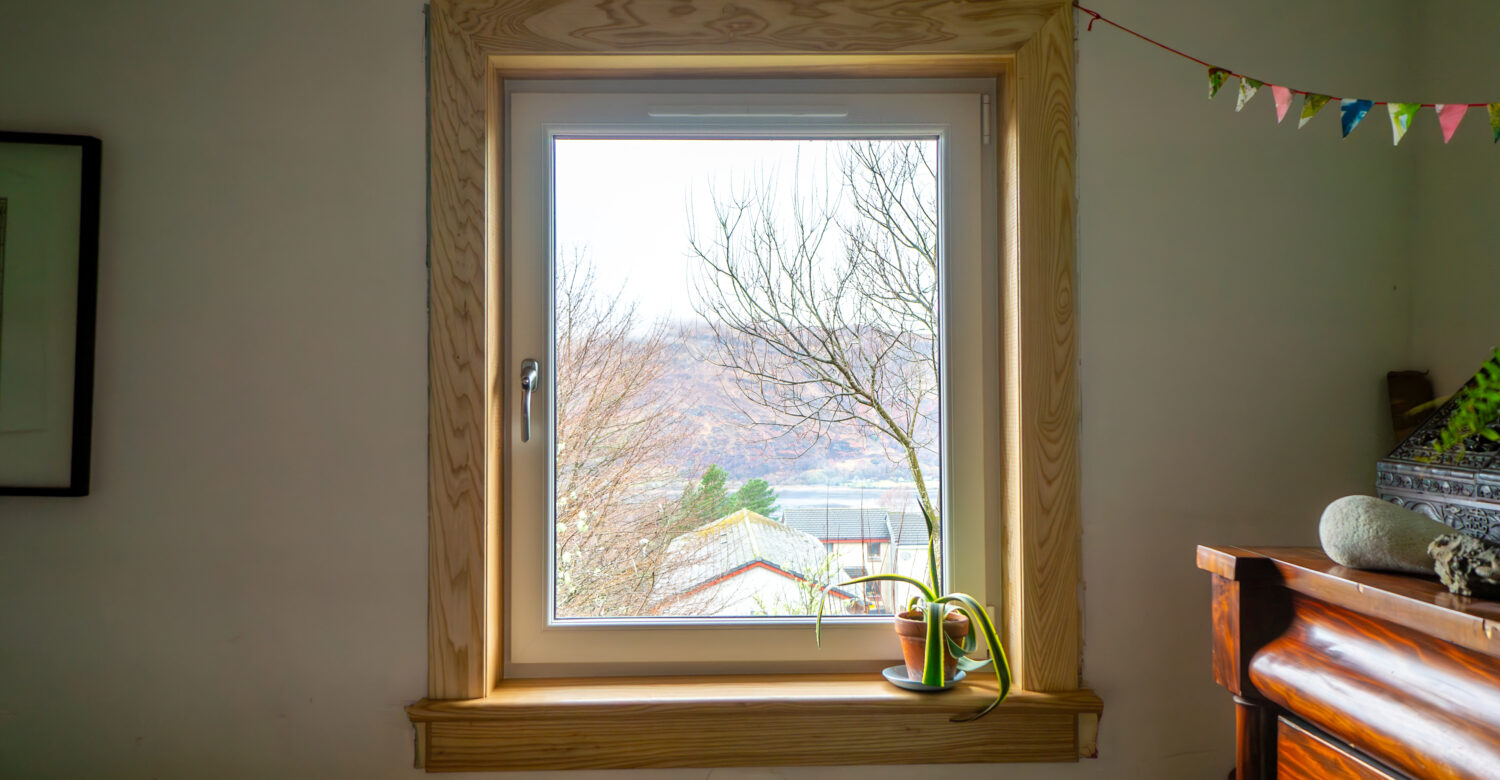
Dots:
(748, 564)
(906, 554)
(855, 536)
(867, 541)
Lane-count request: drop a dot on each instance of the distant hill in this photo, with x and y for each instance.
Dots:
(848, 455)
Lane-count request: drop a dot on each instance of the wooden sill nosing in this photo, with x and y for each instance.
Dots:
(761, 720)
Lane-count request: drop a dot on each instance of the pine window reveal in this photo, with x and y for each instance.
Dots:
(489, 704)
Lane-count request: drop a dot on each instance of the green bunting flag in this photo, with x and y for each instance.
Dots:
(1401, 116)
(1311, 105)
(1495, 121)
(1216, 78)
(1248, 86)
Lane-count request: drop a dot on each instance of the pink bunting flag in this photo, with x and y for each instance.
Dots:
(1283, 101)
(1449, 115)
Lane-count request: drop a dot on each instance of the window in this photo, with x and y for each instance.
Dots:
(751, 300)
(477, 49)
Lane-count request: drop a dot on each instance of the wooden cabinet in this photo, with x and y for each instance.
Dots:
(1341, 673)
(1302, 754)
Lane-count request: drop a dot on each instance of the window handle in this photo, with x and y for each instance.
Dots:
(530, 380)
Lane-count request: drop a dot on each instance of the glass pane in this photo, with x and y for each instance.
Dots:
(747, 391)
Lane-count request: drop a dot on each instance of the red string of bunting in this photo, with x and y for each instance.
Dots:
(1353, 110)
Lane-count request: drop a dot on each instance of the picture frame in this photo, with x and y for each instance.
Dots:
(49, 265)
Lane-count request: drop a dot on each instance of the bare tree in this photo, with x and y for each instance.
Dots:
(615, 429)
(825, 311)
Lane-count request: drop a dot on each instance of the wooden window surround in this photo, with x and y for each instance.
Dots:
(474, 720)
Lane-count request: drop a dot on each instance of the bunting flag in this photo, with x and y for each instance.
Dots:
(1311, 105)
(1216, 77)
(1283, 101)
(1401, 114)
(1248, 87)
(1449, 115)
(1353, 112)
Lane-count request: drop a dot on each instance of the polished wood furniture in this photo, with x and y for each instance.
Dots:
(1340, 673)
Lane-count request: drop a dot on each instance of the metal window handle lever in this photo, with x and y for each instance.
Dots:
(530, 380)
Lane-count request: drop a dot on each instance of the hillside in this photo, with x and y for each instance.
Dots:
(849, 455)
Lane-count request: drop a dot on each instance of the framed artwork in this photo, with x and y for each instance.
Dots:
(49, 263)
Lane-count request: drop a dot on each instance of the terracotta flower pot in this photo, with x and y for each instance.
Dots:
(912, 628)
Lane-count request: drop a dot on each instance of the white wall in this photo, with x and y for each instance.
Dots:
(1456, 259)
(1242, 293)
(243, 593)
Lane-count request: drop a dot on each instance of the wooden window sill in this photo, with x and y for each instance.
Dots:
(759, 720)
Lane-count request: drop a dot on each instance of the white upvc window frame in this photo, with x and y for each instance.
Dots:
(958, 113)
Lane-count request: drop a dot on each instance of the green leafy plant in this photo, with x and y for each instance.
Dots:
(935, 608)
(1477, 408)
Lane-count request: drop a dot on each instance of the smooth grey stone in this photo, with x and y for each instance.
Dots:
(1363, 532)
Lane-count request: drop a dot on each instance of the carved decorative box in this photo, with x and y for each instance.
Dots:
(1460, 489)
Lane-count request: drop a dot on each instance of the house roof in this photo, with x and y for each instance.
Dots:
(740, 540)
(838, 523)
(846, 523)
(906, 528)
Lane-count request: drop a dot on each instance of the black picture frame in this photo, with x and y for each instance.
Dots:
(15, 149)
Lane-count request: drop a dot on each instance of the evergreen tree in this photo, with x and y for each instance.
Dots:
(709, 500)
(757, 496)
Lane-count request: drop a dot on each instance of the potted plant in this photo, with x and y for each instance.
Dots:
(942, 627)
(1476, 410)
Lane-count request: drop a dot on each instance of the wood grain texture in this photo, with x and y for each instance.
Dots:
(1304, 755)
(694, 66)
(749, 26)
(743, 738)
(458, 452)
(1246, 615)
(1235, 563)
(1421, 705)
(1043, 548)
(1088, 735)
(741, 721)
(1391, 666)
(1229, 668)
(1422, 604)
(1254, 739)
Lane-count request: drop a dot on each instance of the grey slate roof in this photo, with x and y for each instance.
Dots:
(838, 523)
(845, 523)
(906, 529)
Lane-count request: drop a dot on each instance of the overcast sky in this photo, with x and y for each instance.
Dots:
(628, 203)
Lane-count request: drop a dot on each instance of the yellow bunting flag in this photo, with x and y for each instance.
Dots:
(1311, 105)
(1495, 121)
